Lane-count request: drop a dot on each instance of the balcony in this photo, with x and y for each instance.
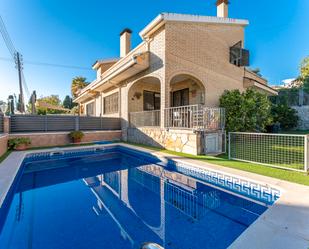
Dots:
(192, 117)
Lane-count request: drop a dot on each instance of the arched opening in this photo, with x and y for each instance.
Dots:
(186, 90)
(186, 98)
(144, 101)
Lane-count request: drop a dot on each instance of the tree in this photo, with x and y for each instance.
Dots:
(10, 106)
(304, 68)
(284, 115)
(248, 111)
(2, 106)
(50, 105)
(68, 102)
(256, 71)
(303, 78)
(78, 83)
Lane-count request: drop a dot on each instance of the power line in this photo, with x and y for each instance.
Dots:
(38, 63)
(7, 59)
(25, 84)
(56, 65)
(18, 62)
(7, 40)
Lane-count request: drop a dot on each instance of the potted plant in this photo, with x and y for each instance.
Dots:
(76, 136)
(19, 143)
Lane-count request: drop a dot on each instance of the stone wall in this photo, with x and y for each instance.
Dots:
(176, 140)
(303, 113)
(62, 138)
(3, 144)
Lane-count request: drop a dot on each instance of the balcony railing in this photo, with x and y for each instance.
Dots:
(214, 118)
(145, 118)
(196, 117)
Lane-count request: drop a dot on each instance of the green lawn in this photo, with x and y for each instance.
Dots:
(280, 151)
(5, 155)
(287, 175)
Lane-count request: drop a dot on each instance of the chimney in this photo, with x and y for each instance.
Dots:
(222, 8)
(125, 42)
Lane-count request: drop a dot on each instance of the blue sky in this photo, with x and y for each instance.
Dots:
(80, 32)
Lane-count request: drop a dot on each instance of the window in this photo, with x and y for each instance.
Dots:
(90, 109)
(111, 104)
(151, 101)
(239, 56)
(180, 98)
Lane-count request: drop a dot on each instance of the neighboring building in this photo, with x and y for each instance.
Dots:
(287, 84)
(161, 88)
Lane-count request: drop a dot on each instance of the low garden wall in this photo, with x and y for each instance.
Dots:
(62, 138)
(176, 140)
(3, 144)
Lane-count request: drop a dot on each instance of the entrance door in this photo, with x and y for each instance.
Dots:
(180, 98)
(151, 101)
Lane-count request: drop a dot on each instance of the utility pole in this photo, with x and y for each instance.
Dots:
(21, 94)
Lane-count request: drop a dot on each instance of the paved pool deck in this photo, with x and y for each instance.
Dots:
(283, 225)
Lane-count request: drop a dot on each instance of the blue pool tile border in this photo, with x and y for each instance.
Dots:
(250, 189)
(253, 190)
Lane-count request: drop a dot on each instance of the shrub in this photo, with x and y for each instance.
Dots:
(13, 143)
(247, 111)
(76, 135)
(286, 116)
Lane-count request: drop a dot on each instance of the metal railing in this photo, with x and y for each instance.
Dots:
(276, 150)
(1, 123)
(196, 117)
(214, 118)
(145, 118)
(53, 123)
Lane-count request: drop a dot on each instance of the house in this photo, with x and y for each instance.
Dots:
(166, 90)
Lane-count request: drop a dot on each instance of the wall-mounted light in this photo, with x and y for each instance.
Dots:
(137, 95)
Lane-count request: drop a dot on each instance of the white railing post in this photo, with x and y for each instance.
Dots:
(306, 153)
(229, 145)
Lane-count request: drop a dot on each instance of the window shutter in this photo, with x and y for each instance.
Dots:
(111, 103)
(245, 55)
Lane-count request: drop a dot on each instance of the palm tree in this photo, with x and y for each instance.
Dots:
(78, 83)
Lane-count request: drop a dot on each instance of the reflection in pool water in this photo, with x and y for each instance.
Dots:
(117, 201)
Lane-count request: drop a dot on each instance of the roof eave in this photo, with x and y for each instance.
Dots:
(100, 62)
(170, 17)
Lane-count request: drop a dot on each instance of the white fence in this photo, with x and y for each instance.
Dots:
(276, 150)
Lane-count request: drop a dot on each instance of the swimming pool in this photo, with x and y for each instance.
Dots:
(115, 197)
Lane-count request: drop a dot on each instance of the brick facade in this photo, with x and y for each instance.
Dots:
(185, 52)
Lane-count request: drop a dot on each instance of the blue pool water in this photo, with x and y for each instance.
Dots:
(117, 200)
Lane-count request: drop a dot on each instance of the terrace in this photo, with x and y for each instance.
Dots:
(193, 117)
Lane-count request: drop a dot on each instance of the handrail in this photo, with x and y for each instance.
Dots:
(145, 118)
(195, 117)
